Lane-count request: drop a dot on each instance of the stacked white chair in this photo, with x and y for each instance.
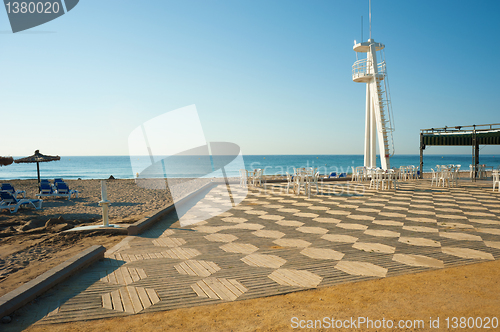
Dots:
(243, 177)
(496, 179)
(445, 176)
(435, 177)
(290, 182)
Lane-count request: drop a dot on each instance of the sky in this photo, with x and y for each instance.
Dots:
(274, 77)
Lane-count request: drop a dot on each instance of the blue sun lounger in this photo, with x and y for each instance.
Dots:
(9, 188)
(11, 203)
(62, 189)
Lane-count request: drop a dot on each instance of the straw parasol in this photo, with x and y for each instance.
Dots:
(4, 161)
(37, 158)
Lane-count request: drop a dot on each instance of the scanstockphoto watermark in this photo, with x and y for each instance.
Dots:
(282, 170)
(24, 15)
(170, 153)
(356, 323)
(367, 323)
(323, 189)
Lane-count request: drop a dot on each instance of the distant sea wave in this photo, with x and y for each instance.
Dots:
(101, 167)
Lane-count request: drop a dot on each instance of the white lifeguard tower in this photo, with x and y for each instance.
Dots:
(378, 105)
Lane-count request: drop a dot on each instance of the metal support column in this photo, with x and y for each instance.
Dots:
(474, 157)
(422, 147)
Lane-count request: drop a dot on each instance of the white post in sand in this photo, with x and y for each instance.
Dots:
(104, 203)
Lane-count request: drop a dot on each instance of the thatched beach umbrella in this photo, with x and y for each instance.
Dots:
(37, 158)
(4, 161)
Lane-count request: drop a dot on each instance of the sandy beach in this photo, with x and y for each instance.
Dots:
(30, 244)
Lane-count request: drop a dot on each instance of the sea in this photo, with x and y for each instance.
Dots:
(121, 167)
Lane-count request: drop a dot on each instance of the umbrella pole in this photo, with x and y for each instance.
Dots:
(38, 171)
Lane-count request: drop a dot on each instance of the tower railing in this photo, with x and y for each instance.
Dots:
(363, 68)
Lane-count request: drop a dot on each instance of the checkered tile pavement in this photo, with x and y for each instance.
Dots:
(273, 243)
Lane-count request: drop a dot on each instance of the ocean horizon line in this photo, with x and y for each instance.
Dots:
(360, 154)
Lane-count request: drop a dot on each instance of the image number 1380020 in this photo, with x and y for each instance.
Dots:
(39, 7)
(25, 15)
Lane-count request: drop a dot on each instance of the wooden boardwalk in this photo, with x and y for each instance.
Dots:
(274, 243)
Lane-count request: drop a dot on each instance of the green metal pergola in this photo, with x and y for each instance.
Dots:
(473, 136)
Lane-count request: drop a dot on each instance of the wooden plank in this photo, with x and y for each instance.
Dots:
(112, 278)
(199, 268)
(230, 286)
(127, 304)
(216, 287)
(134, 298)
(117, 303)
(198, 290)
(297, 277)
(106, 301)
(238, 285)
(134, 274)
(143, 296)
(152, 295)
(282, 280)
(167, 254)
(180, 269)
(188, 269)
(179, 253)
(119, 277)
(141, 273)
(221, 291)
(126, 276)
(203, 285)
(210, 266)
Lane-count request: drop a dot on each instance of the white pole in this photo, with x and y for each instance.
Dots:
(104, 203)
(367, 160)
(370, 10)
(104, 190)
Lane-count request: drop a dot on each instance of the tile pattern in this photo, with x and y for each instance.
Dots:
(273, 243)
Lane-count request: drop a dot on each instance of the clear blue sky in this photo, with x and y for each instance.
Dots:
(271, 76)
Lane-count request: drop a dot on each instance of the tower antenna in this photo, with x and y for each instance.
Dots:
(361, 28)
(370, 10)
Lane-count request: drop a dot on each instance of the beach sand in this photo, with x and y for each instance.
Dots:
(30, 247)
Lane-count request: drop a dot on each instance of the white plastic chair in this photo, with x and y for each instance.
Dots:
(290, 183)
(311, 181)
(357, 173)
(378, 179)
(445, 176)
(243, 177)
(454, 176)
(258, 177)
(392, 179)
(402, 173)
(435, 177)
(496, 179)
(409, 172)
(300, 181)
